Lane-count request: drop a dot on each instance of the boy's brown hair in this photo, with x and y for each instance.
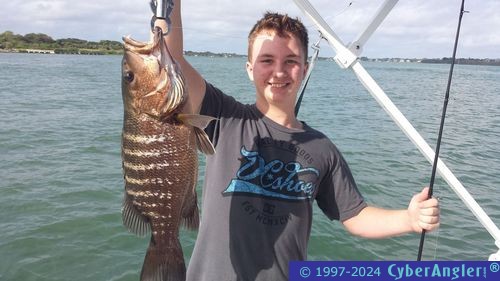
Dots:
(283, 25)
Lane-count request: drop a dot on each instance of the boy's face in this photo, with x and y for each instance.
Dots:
(277, 67)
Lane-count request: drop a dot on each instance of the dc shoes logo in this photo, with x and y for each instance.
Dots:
(273, 179)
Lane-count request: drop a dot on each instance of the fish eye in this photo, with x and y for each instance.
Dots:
(129, 76)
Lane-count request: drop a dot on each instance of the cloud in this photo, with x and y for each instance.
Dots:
(416, 28)
(91, 20)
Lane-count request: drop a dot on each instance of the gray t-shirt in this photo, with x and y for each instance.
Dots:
(259, 190)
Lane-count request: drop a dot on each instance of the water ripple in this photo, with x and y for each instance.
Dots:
(62, 184)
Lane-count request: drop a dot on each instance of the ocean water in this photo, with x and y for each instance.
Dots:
(61, 183)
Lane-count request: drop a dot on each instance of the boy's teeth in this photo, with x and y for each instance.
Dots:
(278, 85)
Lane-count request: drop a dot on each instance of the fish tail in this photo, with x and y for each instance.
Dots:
(164, 264)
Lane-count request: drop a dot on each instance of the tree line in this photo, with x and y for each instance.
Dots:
(10, 42)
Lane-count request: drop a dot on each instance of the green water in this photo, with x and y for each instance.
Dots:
(60, 170)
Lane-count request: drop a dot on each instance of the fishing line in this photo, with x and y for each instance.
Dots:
(349, 5)
(225, 35)
(330, 18)
(343, 11)
(436, 241)
(441, 127)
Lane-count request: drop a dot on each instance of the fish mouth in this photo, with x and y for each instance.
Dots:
(155, 47)
(171, 84)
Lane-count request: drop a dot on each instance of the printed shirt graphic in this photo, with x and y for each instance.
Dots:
(274, 179)
(259, 192)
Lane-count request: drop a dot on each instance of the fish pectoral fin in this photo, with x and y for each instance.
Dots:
(195, 120)
(132, 218)
(199, 122)
(203, 142)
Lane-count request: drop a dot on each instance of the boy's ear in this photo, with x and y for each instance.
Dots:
(306, 68)
(249, 70)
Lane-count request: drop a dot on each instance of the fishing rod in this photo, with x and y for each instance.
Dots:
(441, 126)
(308, 74)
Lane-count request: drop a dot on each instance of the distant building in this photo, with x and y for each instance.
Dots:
(36, 51)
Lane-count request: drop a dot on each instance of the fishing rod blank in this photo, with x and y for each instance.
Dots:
(441, 127)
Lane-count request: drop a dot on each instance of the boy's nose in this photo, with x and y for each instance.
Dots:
(280, 71)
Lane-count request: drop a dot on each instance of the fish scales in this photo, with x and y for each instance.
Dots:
(160, 139)
(155, 190)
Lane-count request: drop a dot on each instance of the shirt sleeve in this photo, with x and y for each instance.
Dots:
(338, 196)
(216, 104)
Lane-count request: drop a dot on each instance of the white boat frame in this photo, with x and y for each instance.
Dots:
(347, 57)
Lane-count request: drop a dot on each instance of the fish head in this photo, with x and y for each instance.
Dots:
(152, 82)
(140, 77)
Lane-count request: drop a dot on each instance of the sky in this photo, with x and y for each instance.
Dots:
(414, 28)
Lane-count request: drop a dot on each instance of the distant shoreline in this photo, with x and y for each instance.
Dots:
(465, 61)
(63, 51)
(40, 43)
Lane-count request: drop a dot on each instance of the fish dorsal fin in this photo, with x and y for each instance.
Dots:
(199, 122)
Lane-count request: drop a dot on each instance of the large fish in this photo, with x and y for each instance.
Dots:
(159, 153)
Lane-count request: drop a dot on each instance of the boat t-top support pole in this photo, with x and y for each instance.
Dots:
(357, 45)
(347, 57)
